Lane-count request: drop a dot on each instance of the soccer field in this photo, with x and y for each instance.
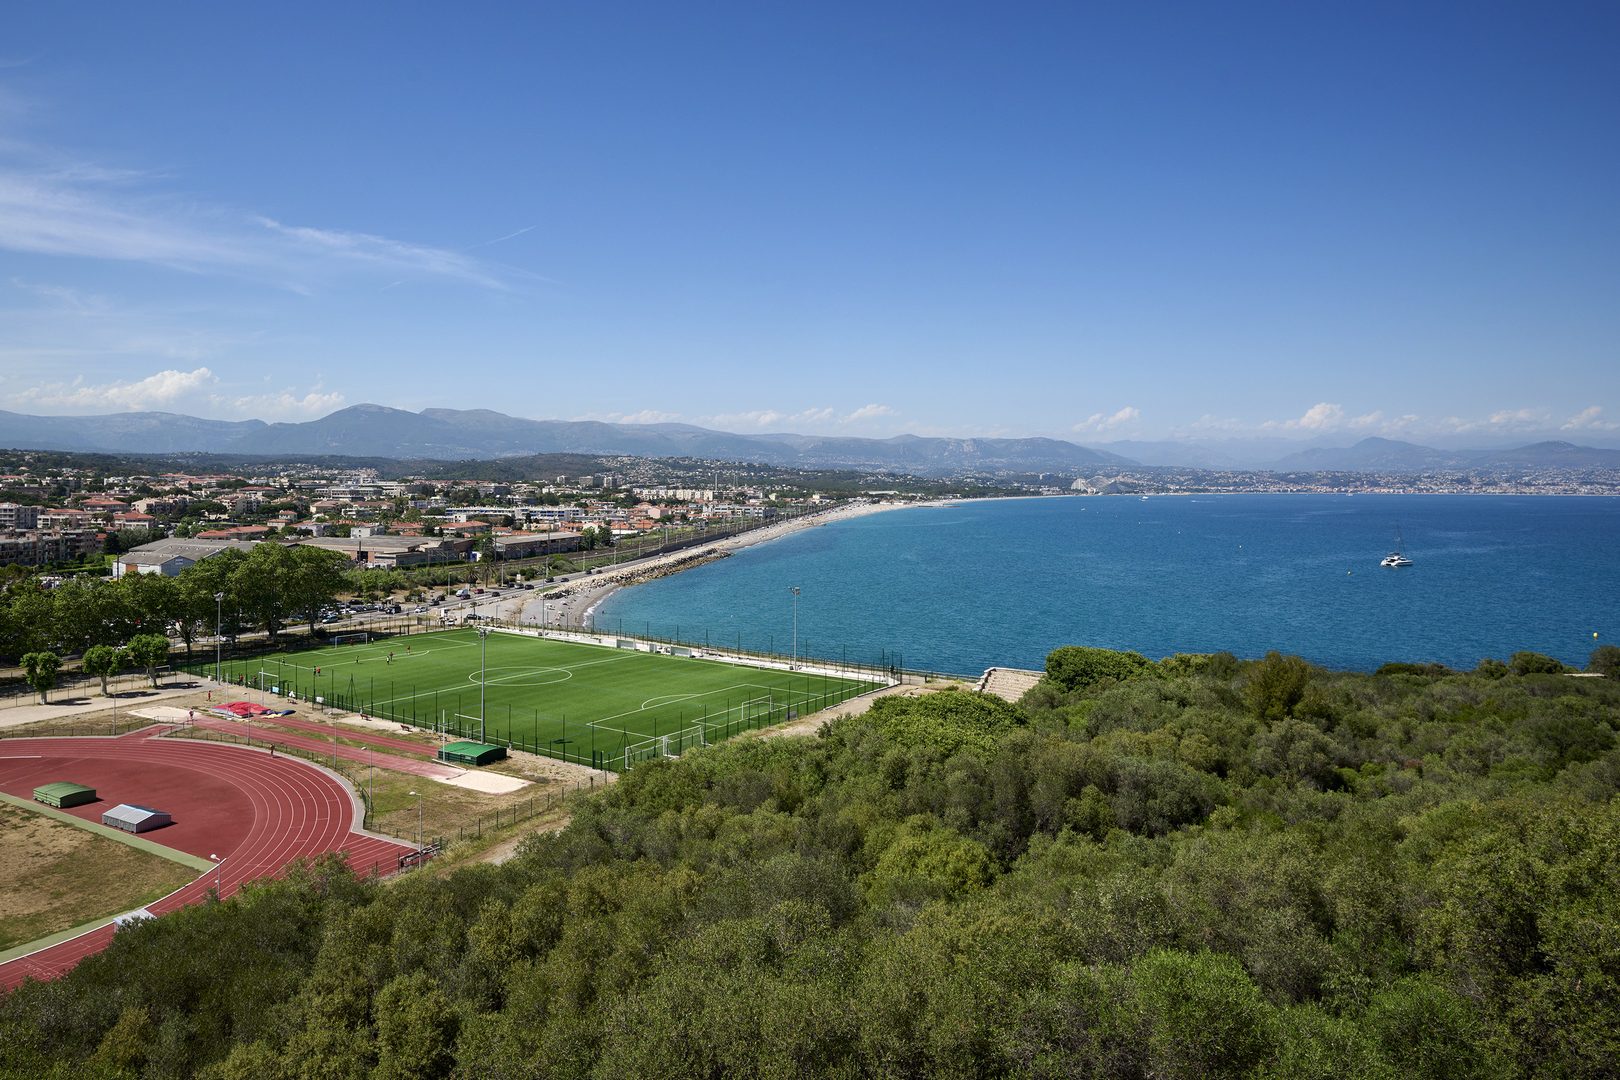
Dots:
(591, 704)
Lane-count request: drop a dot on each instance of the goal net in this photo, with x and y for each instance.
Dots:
(756, 710)
(359, 637)
(670, 745)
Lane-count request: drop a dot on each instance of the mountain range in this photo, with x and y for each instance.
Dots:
(451, 434)
(454, 434)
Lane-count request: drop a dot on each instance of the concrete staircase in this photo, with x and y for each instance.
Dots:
(1009, 684)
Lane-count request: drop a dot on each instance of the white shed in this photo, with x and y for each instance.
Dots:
(135, 819)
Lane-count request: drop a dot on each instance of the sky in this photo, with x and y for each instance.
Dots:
(1089, 221)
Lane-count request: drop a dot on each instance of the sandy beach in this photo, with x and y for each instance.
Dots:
(573, 605)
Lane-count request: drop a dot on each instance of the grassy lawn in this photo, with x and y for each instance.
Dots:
(54, 876)
(580, 703)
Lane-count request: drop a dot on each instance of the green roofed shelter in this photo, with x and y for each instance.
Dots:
(64, 793)
(471, 753)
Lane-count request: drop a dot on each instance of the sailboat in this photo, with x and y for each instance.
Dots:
(1396, 558)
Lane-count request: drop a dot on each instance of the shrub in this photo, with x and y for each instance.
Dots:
(1534, 663)
(1078, 667)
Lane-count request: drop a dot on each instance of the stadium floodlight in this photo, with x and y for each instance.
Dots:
(483, 677)
(219, 862)
(418, 819)
(795, 626)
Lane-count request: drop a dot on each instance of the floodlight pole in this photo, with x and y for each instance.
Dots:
(219, 634)
(218, 864)
(418, 820)
(483, 675)
(795, 626)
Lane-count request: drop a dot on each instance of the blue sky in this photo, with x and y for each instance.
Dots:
(1090, 221)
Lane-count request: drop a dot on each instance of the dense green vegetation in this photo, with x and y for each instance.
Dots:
(1196, 867)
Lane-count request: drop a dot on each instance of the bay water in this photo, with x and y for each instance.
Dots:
(961, 587)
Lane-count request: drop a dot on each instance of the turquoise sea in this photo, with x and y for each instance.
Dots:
(959, 588)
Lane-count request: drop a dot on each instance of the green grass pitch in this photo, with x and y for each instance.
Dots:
(582, 703)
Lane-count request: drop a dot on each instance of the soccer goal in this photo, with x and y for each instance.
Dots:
(359, 637)
(671, 745)
(756, 710)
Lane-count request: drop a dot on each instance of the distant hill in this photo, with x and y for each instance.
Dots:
(1372, 455)
(1566, 455)
(450, 434)
(1390, 455)
(119, 433)
(1174, 453)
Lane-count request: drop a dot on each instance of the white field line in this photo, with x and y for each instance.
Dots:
(776, 693)
(472, 678)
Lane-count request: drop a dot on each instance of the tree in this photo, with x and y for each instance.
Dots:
(1534, 663)
(315, 580)
(485, 547)
(32, 622)
(104, 661)
(150, 651)
(259, 583)
(416, 1028)
(1605, 660)
(1275, 685)
(39, 670)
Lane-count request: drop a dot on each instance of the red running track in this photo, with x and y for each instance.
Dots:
(258, 811)
(324, 748)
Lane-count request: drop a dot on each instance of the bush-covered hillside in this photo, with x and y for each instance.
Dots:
(1196, 867)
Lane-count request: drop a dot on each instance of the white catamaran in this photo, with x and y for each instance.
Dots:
(1396, 558)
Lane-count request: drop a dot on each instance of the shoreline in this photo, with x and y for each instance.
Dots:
(579, 604)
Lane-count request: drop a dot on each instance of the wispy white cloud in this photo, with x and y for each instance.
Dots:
(172, 390)
(159, 389)
(393, 256)
(1503, 421)
(1210, 424)
(822, 418)
(282, 404)
(1323, 416)
(768, 419)
(1589, 419)
(1098, 423)
(513, 235)
(867, 413)
(52, 204)
(643, 416)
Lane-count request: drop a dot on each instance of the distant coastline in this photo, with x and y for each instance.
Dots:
(580, 603)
